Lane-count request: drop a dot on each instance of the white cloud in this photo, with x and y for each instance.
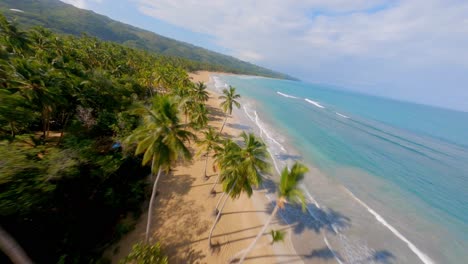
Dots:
(357, 28)
(83, 4)
(362, 43)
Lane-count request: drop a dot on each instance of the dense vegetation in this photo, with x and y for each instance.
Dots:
(64, 18)
(66, 103)
(78, 119)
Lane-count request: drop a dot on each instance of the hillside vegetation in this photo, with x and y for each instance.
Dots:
(65, 18)
(67, 190)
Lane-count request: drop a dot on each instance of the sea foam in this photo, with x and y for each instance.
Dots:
(286, 95)
(314, 103)
(341, 115)
(421, 255)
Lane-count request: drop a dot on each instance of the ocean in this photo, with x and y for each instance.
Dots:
(388, 180)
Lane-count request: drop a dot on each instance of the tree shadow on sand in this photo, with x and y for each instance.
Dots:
(314, 218)
(284, 157)
(239, 126)
(215, 112)
(326, 254)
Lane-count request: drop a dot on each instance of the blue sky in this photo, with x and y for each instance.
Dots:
(413, 50)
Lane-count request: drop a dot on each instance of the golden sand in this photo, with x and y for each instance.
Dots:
(183, 213)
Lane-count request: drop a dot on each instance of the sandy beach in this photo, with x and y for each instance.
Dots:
(183, 213)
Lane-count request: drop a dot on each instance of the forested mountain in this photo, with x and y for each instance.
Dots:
(65, 18)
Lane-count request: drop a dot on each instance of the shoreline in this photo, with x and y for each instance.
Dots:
(354, 240)
(183, 212)
(316, 249)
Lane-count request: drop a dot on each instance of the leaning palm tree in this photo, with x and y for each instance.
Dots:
(161, 138)
(242, 168)
(276, 236)
(221, 154)
(229, 98)
(288, 192)
(209, 142)
(200, 93)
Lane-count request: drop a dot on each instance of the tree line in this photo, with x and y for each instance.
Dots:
(82, 124)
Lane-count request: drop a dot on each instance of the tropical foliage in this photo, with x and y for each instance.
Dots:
(162, 139)
(64, 18)
(288, 192)
(229, 100)
(143, 253)
(242, 166)
(83, 123)
(66, 105)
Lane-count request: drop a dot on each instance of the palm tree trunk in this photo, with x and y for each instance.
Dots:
(267, 223)
(44, 124)
(62, 131)
(219, 214)
(234, 257)
(206, 163)
(225, 119)
(12, 249)
(219, 201)
(214, 184)
(153, 194)
(12, 130)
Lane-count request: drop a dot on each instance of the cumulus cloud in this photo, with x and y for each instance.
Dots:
(377, 43)
(388, 47)
(375, 28)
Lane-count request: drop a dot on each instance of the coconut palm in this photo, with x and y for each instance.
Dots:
(200, 93)
(288, 192)
(161, 138)
(16, 39)
(221, 154)
(241, 168)
(198, 115)
(209, 142)
(229, 98)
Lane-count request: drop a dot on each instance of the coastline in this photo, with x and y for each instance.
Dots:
(184, 212)
(346, 228)
(307, 245)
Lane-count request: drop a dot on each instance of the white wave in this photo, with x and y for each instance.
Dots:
(421, 255)
(286, 95)
(341, 115)
(16, 10)
(331, 250)
(219, 85)
(264, 131)
(314, 103)
(310, 196)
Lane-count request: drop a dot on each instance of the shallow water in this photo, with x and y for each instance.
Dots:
(388, 180)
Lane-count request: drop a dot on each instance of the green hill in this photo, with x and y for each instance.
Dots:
(64, 18)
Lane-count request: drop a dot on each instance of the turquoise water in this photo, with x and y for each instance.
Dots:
(397, 172)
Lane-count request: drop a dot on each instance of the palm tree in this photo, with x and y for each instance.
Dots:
(200, 93)
(161, 138)
(41, 86)
(16, 39)
(288, 192)
(209, 142)
(221, 152)
(229, 98)
(198, 115)
(241, 168)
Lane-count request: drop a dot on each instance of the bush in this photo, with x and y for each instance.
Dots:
(145, 254)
